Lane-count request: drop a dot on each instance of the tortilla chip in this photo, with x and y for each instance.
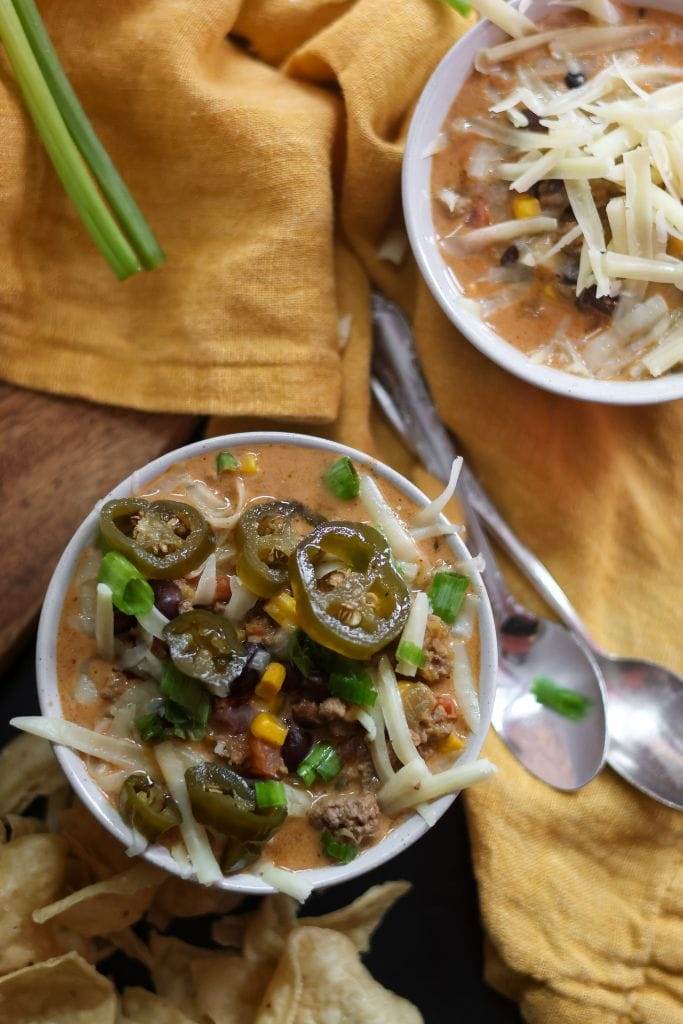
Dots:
(228, 988)
(14, 825)
(132, 945)
(180, 898)
(33, 871)
(229, 931)
(171, 973)
(268, 927)
(104, 855)
(28, 769)
(144, 1007)
(320, 978)
(107, 906)
(64, 990)
(361, 919)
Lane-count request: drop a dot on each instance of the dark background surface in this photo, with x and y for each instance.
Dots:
(430, 946)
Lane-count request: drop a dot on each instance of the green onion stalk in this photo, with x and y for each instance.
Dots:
(114, 188)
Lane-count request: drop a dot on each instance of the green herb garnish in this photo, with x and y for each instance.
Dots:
(226, 462)
(270, 794)
(354, 688)
(341, 479)
(461, 6)
(321, 761)
(183, 713)
(446, 595)
(410, 653)
(564, 701)
(336, 850)
(130, 591)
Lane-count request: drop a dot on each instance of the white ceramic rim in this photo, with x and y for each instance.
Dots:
(429, 115)
(86, 789)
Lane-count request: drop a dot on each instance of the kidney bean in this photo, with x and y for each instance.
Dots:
(296, 746)
(232, 716)
(123, 622)
(167, 597)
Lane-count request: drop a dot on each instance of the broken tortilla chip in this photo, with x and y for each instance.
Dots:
(320, 978)
(28, 769)
(177, 897)
(228, 988)
(33, 871)
(104, 855)
(63, 990)
(14, 825)
(361, 919)
(268, 927)
(171, 974)
(107, 906)
(143, 1007)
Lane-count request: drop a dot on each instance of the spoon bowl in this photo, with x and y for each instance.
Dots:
(645, 721)
(563, 752)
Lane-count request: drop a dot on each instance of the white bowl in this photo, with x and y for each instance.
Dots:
(48, 692)
(429, 116)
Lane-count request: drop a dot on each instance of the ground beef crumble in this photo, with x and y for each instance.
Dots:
(352, 817)
(438, 651)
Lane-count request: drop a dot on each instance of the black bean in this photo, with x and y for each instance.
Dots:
(534, 121)
(244, 684)
(574, 79)
(297, 744)
(588, 301)
(167, 597)
(123, 622)
(511, 255)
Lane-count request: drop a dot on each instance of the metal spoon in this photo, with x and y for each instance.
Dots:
(564, 753)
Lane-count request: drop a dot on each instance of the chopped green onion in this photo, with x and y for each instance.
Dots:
(329, 764)
(564, 701)
(336, 850)
(447, 593)
(68, 162)
(270, 794)
(226, 462)
(130, 591)
(100, 163)
(342, 479)
(355, 688)
(186, 693)
(322, 760)
(461, 6)
(150, 727)
(410, 653)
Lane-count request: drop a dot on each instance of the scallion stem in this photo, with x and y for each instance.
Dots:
(125, 208)
(68, 162)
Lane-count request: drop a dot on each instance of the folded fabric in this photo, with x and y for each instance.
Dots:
(268, 164)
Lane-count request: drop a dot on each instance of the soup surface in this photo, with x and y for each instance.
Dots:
(288, 667)
(557, 191)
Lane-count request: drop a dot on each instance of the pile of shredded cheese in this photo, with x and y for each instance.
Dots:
(622, 127)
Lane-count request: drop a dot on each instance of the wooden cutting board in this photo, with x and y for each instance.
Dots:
(59, 456)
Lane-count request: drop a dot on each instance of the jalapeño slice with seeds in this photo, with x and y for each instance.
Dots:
(356, 611)
(267, 534)
(163, 539)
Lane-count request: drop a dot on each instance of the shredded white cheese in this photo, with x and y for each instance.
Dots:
(291, 883)
(242, 600)
(173, 767)
(463, 686)
(123, 752)
(153, 622)
(417, 787)
(394, 715)
(104, 622)
(387, 521)
(413, 632)
(431, 512)
(506, 17)
(205, 592)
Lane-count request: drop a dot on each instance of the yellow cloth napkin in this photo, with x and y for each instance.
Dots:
(269, 166)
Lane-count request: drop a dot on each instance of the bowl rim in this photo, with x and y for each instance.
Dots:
(403, 835)
(431, 109)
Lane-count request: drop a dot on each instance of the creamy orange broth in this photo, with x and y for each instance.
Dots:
(541, 314)
(285, 472)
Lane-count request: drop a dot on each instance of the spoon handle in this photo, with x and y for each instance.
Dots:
(401, 391)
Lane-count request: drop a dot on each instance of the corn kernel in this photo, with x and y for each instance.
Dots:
(282, 608)
(271, 681)
(675, 247)
(550, 291)
(268, 728)
(525, 206)
(449, 744)
(249, 464)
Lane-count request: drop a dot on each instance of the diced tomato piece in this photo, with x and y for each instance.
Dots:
(448, 704)
(263, 760)
(479, 216)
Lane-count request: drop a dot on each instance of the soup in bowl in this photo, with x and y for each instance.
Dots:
(542, 187)
(268, 662)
